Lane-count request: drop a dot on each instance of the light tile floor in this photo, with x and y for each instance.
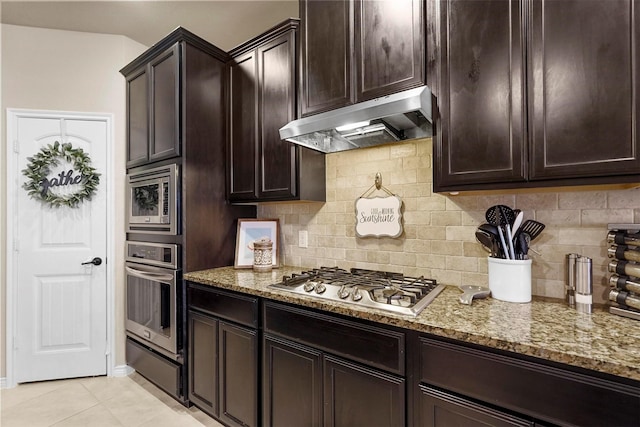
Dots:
(96, 402)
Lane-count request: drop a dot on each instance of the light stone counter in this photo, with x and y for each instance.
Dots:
(547, 330)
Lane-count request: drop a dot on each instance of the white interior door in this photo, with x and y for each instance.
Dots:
(60, 305)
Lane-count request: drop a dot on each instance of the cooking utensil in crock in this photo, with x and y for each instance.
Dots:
(487, 241)
(492, 232)
(469, 292)
(532, 228)
(517, 222)
(502, 216)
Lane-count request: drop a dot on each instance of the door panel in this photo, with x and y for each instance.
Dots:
(325, 81)
(203, 359)
(292, 390)
(243, 76)
(356, 395)
(61, 328)
(137, 118)
(63, 299)
(165, 120)
(238, 359)
(389, 46)
(584, 74)
(482, 126)
(277, 90)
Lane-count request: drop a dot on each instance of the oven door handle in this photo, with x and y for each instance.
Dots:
(147, 275)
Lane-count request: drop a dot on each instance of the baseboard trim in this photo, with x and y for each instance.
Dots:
(123, 371)
(3, 382)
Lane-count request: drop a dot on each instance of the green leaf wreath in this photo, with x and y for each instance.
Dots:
(40, 166)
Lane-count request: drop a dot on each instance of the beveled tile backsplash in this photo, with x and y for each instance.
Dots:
(439, 229)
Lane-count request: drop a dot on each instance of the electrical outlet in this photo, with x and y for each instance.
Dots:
(303, 239)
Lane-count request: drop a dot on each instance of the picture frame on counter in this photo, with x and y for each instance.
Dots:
(252, 230)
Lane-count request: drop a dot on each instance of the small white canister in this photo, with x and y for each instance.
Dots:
(263, 254)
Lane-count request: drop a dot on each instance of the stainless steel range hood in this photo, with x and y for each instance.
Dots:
(403, 115)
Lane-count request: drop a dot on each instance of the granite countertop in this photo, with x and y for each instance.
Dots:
(548, 330)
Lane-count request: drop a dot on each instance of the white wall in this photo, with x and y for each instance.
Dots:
(47, 69)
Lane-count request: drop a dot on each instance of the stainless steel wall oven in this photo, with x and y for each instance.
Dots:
(152, 285)
(154, 318)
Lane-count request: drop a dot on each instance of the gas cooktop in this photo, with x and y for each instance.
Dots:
(369, 288)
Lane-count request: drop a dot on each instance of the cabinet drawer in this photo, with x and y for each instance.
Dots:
(162, 372)
(544, 392)
(439, 409)
(228, 305)
(371, 345)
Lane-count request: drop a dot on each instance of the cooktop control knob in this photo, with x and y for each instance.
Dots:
(343, 292)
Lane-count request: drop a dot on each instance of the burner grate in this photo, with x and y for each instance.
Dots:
(379, 289)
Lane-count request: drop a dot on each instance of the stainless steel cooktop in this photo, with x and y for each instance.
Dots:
(369, 288)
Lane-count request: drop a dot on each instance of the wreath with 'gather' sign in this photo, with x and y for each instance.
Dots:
(82, 175)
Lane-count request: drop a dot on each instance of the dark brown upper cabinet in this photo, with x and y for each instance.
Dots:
(478, 82)
(262, 82)
(153, 94)
(584, 88)
(534, 93)
(356, 50)
(180, 82)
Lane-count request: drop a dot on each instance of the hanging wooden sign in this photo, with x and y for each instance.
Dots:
(378, 216)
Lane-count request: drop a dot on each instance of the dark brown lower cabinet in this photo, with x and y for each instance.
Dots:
(203, 362)
(260, 362)
(238, 354)
(440, 409)
(356, 395)
(532, 391)
(322, 370)
(305, 387)
(224, 354)
(292, 390)
(223, 370)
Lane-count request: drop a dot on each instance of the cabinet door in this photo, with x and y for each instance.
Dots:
(238, 350)
(327, 47)
(203, 362)
(277, 168)
(439, 409)
(137, 118)
(389, 46)
(292, 390)
(355, 395)
(585, 88)
(479, 88)
(243, 75)
(164, 75)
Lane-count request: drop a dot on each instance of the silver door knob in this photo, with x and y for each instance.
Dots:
(94, 261)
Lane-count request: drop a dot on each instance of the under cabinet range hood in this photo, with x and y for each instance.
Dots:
(402, 115)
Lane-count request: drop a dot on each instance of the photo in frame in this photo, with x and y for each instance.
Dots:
(250, 230)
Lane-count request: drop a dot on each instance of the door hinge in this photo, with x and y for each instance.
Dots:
(16, 245)
(16, 146)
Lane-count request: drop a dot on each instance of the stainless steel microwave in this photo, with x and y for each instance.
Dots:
(153, 200)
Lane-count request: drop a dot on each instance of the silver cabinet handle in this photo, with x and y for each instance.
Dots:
(148, 275)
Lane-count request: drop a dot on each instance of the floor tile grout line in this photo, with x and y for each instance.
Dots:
(76, 414)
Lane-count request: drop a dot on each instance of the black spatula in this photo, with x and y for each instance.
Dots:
(532, 228)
